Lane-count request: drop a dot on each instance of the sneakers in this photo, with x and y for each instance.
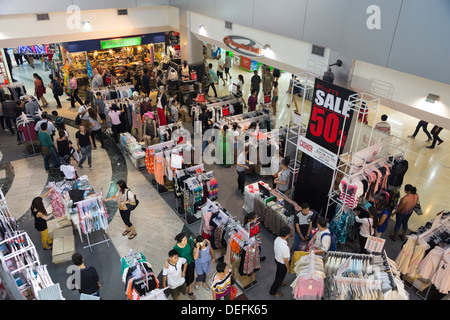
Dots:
(412, 137)
(90, 167)
(430, 147)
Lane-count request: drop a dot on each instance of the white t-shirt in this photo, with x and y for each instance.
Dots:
(69, 171)
(322, 243)
(304, 219)
(173, 274)
(84, 116)
(366, 228)
(281, 250)
(220, 65)
(241, 160)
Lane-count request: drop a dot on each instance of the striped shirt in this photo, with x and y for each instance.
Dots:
(221, 287)
(383, 126)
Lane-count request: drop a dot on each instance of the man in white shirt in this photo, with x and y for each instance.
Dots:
(84, 114)
(321, 241)
(174, 273)
(282, 255)
(240, 168)
(220, 69)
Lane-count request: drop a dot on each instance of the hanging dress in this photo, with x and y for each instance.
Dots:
(161, 115)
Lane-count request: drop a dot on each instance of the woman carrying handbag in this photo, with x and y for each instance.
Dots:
(127, 202)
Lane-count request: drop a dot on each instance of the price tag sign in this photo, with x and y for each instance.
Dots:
(374, 244)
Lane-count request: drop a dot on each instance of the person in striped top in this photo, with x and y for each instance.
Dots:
(221, 282)
(383, 125)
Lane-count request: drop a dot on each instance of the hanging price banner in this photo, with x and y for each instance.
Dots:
(329, 111)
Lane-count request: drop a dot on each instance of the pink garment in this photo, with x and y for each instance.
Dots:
(57, 204)
(385, 180)
(73, 83)
(206, 219)
(377, 183)
(308, 289)
(115, 117)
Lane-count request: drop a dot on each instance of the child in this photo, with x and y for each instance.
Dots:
(57, 119)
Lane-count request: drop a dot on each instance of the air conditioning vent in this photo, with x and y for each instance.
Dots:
(228, 25)
(318, 50)
(122, 12)
(42, 16)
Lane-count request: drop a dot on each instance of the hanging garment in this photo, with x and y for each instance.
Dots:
(429, 264)
(441, 279)
(416, 259)
(56, 200)
(404, 257)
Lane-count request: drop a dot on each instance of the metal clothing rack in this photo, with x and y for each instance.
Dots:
(106, 240)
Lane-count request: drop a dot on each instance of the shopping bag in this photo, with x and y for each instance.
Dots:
(267, 97)
(75, 155)
(233, 292)
(418, 208)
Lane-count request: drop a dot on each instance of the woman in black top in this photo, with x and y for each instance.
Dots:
(40, 220)
(64, 146)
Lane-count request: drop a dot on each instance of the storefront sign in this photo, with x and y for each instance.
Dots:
(117, 43)
(330, 109)
(317, 152)
(244, 46)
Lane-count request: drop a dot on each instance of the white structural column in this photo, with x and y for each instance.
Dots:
(191, 46)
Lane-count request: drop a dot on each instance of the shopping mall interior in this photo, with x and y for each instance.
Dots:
(159, 41)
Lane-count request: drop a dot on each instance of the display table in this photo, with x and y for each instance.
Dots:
(274, 218)
(249, 195)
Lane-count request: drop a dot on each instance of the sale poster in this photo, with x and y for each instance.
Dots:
(328, 127)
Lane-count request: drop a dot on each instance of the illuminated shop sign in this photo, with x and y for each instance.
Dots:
(244, 46)
(117, 43)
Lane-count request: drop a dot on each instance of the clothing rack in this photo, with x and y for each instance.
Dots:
(425, 297)
(100, 223)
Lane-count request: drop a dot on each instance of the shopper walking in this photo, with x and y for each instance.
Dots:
(220, 69)
(422, 124)
(227, 65)
(241, 166)
(41, 216)
(212, 80)
(221, 282)
(125, 197)
(146, 83)
(184, 247)
(255, 83)
(267, 81)
(100, 108)
(8, 108)
(84, 145)
(114, 115)
(203, 256)
(435, 132)
(39, 89)
(174, 273)
(96, 128)
(54, 85)
(252, 100)
(383, 125)
(73, 87)
(368, 227)
(282, 256)
(89, 281)
(64, 146)
(404, 211)
(275, 98)
(47, 148)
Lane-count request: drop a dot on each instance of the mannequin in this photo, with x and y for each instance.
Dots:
(150, 135)
(185, 71)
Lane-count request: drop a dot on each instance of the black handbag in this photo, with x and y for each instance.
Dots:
(130, 206)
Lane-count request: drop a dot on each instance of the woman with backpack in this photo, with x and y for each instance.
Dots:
(56, 90)
(323, 241)
(125, 198)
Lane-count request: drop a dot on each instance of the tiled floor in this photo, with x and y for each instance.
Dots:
(156, 222)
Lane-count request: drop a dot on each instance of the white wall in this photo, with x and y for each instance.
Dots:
(17, 30)
(404, 92)
(288, 54)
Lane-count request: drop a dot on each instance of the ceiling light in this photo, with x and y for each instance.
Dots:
(267, 46)
(432, 98)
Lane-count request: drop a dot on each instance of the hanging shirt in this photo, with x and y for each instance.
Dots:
(366, 228)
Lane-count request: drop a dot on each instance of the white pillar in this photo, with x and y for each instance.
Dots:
(191, 46)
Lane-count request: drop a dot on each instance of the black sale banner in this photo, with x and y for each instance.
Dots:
(329, 111)
(330, 120)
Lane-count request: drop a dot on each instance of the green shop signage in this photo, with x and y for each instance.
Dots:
(116, 43)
